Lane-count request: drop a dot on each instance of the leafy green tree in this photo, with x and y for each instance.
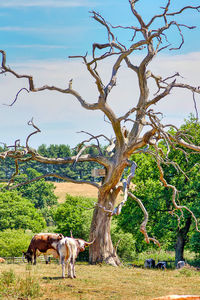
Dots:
(41, 192)
(14, 241)
(55, 151)
(149, 190)
(188, 184)
(7, 167)
(168, 229)
(190, 195)
(195, 243)
(124, 243)
(17, 212)
(74, 215)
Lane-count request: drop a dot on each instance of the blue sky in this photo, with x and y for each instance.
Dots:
(39, 35)
(54, 29)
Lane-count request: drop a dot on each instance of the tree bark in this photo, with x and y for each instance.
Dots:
(102, 249)
(181, 241)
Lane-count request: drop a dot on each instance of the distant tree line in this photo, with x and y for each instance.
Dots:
(78, 171)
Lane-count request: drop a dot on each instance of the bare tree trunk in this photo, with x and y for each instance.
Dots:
(102, 249)
(181, 241)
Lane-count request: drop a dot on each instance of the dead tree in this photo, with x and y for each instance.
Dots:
(142, 114)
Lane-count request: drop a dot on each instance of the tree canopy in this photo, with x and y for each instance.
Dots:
(17, 212)
(14, 242)
(74, 215)
(40, 193)
(163, 221)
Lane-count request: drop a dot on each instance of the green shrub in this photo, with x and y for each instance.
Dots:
(159, 255)
(195, 243)
(13, 242)
(73, 215)
(123, 242)
(19, 213)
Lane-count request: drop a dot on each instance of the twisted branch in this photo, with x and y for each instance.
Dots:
(174, 194)
(65, 178)
(16, 97)
(144, 223)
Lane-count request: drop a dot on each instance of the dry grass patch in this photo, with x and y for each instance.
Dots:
(106, 282)
(83, 190)
(73, 189)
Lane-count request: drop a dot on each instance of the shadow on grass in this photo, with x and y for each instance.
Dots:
(53, 278)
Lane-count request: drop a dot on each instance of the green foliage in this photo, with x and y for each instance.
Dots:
(158, 200)
(79, 171)
(74, 215)
(14, 241)
(152, 194)
(41, 193)
(124, 243)
(195, 243)
(47, 213)
(157, 255)
(18, 212)
(55, 151)
(7, 166)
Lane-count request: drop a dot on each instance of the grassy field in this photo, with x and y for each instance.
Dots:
(94, 282)
(44, 282)
(84, 190)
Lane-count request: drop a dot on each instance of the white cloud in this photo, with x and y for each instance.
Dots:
(47, 30)
(46, 3)
(17, 28)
